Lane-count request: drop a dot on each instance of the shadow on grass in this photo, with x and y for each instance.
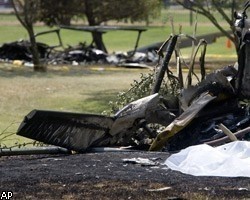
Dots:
(11, 71)
(98, 102)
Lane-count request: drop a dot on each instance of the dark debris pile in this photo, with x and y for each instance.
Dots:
(74, 55)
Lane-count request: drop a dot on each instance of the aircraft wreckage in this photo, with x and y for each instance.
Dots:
(214, 111)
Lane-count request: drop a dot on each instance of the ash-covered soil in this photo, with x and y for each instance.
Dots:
(107, 176)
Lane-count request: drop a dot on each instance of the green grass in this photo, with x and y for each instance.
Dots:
(182, 16)
(73, 89)
(6, 17)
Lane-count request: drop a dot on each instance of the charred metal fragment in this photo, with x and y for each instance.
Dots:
(73, 131)
(220, 84)
(204, 128)
(20, 50)
(182, 121)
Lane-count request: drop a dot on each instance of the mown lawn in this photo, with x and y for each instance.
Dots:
(73, 89)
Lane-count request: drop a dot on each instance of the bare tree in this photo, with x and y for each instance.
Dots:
(27, 12)
(226, 9)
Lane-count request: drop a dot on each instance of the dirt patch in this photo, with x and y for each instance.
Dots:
(106, 176)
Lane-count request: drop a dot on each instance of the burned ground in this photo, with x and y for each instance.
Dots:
(107, 176)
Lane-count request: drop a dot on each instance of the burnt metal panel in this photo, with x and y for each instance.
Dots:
(74, 131)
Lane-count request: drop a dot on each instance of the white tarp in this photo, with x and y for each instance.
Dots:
(229, 160)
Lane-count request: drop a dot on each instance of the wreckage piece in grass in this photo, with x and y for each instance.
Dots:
(73, 131)
(20, 50)
(80, 132)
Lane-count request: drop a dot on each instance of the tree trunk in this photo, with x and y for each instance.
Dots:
(65, 20)
(98, 40)
(38, 66)
(26, 18)
(97, 36)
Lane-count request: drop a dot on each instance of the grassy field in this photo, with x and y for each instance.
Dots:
(82, 89)
(62, 88)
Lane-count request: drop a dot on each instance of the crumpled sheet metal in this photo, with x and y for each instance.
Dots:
(147, 107)
(73, 131)
(182, 121)
(217, 83)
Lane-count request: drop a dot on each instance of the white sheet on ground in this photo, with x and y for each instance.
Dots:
(229, 160)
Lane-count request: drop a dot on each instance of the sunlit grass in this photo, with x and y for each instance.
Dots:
(77, 90)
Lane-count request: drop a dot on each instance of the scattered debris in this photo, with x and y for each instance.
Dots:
(79, 54)
(142, 161)
(33, 150)
(20, 50)
(243, 189)
(159, 189)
